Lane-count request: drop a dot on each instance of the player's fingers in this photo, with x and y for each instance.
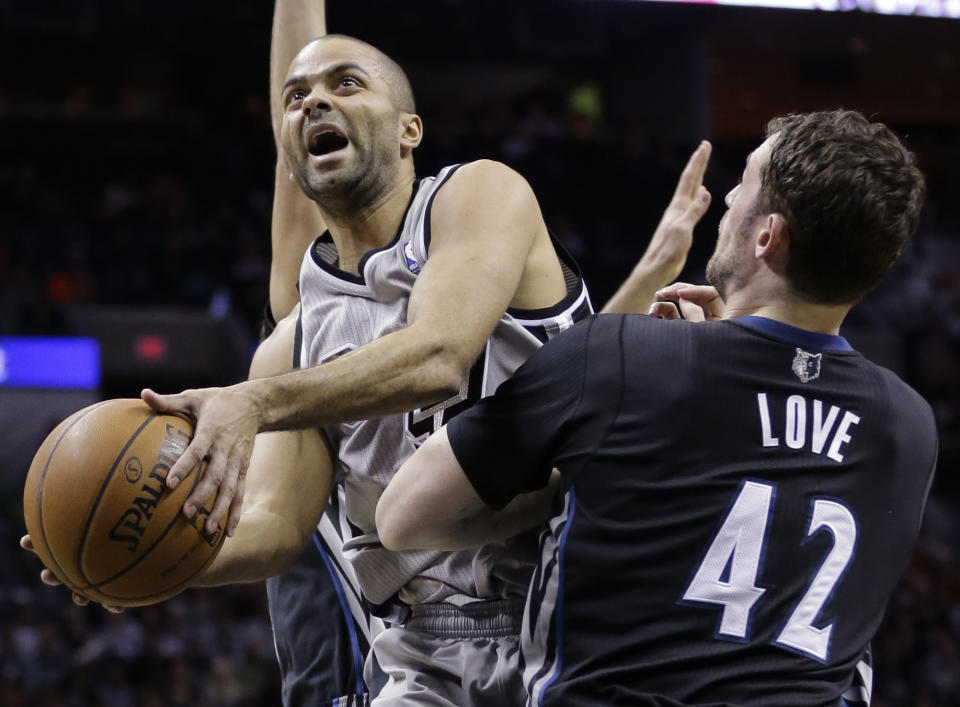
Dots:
(211, 479)
(226, 492)
(27, 543)
(670, 293)
(48, 577)
(181, 403)
(705, 297)
(190, 460)
(664, 310)
(230, 493)
(691, 312)
(695, 210)
(698, 294)
(113, 609)
(692, 176)
(80, 600)
(235, 506)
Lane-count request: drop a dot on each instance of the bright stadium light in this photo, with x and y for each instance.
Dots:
(924, 8)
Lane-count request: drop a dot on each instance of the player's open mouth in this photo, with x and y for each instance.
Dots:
(323, 143)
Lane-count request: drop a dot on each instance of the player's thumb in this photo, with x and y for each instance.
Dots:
(164, 403)
(697, 207)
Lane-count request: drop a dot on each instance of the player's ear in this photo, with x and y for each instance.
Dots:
(772, 240)
(411, 131)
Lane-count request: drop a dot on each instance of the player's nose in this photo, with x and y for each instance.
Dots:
(731, 195)
(316, 102)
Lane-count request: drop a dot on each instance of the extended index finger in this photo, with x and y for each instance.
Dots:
(188, 461)
(692, 176)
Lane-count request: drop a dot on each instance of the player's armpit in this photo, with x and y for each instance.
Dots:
(430, 504)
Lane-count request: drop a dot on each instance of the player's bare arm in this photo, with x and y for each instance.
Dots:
(296, 220)
(286, 486)
(666, 254)
(489, 248)
(430, 504)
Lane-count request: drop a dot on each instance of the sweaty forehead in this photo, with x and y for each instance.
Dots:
(321, 54)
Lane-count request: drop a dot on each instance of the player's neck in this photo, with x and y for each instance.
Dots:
(369, 227)
(787, 308)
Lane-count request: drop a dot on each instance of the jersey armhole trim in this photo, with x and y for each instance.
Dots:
(298, 341)
(428, 208)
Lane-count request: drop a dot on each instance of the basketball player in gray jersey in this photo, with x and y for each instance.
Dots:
(396, 331)
(348, 131)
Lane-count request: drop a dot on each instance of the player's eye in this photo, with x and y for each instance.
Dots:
(349, 81)
(295, 96)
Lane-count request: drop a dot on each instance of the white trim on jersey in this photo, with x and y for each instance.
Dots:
(564, 320)
(333, 538)
(541, 643)
(859, 694)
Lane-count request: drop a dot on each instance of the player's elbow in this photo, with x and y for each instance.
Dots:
(394, 531)
(445, 368)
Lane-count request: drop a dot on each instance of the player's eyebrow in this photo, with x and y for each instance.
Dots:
(335, 69)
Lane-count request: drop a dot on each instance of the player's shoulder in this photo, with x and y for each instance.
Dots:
(484, 178)
(908, 403)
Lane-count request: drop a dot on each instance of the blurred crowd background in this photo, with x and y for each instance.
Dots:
(135, 188)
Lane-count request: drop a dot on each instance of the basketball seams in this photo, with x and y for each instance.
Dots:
(96, 502)
(96, 586)
(170, 591)
(43, 478)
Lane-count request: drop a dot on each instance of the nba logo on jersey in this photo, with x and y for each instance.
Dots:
(806, 365)
(412, 263)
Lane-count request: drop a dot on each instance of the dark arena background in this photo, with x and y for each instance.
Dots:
(135, 195)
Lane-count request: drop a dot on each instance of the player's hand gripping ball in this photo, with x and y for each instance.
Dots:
(100, 515)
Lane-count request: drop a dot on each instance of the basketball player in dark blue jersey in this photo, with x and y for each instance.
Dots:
(735, 499)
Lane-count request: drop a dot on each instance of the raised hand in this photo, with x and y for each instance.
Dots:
(667, 252)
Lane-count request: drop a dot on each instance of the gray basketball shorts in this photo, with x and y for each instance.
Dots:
(450, 656)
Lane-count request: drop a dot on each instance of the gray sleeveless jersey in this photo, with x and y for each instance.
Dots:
(340, 312)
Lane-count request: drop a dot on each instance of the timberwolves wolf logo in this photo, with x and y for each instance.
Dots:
(806, 365)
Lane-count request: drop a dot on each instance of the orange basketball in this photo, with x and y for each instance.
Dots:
(98, 510)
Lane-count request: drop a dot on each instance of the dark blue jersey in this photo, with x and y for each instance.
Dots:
(740, 498)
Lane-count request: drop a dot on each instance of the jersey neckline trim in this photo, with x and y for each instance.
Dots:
(807, 340)
(336, 272)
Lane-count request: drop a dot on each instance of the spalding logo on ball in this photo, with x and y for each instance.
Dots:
(100, 514)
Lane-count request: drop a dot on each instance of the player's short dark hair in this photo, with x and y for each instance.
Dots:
(393, 74)
(851, 195)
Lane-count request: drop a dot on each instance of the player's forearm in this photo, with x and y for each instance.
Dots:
(396, 373)
(449, 532)
(637, 292)
(263, 545)
(295, 22)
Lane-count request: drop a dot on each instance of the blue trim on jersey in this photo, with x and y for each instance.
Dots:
(558, 667)
(807, 340)
(347, 617)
